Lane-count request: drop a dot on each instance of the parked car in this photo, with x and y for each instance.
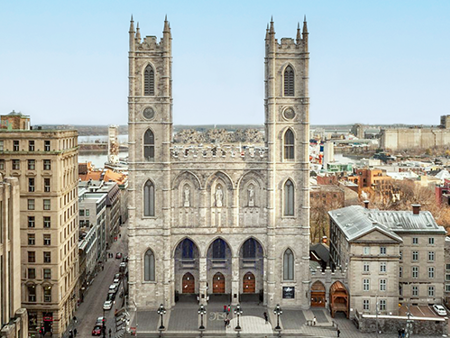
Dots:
(118, 255)
(440, 310)
(122, 267)
(107, 305)
(113, 288)
(117, 275)
(97, 330)
(116, 281)
(111, 297)
(100, 320)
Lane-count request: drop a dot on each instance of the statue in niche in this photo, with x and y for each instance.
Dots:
(219, 196)
(251, 195)
(187, 193)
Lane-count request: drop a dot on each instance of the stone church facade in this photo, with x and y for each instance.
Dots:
(221, 219)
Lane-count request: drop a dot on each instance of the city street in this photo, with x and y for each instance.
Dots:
(95, 296)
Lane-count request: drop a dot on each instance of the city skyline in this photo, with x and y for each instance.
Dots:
(370, 63)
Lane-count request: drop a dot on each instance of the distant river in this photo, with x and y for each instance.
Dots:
(101, 139)
(97, 159)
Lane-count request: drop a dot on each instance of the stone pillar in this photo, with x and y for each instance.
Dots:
(203, 279)
(235, 280)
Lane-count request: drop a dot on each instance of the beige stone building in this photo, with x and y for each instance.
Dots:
(14, 322)
(45, 163)
(390, 257)
(220, 219)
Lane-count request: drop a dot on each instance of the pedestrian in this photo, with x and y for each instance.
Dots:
(228, 322)
(314, 320)
(229, 309)
(224, 308)
(266, 317)
(403, 333)
(75, 319)
(75, 332)
(70, 334)
(110, 333)
(225, 322)
(338, 332)
(120, 235)
(399, 333)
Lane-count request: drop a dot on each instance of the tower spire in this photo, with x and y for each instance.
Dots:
(272, 28)
(166, 25)
(138, 33)
(131, 24)
(299, 38)
(305, 34)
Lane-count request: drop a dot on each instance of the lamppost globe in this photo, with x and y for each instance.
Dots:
(278, 312)
(201, 312)
(162, 312)
(238, 311)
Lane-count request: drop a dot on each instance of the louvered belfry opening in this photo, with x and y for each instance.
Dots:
(289, 81)
(149, 81)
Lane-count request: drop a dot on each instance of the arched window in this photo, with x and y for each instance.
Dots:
(219, 248)
(187, 249)
(288, 198)
(288, 81)
(149, 81)
(288, 265)
(149, 266)
(149, 199)
(249, 248)
(289, 145)
(149, 145)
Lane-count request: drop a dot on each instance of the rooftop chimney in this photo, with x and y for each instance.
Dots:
(366, 204)
(416, 209)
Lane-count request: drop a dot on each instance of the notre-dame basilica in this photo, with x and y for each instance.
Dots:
(223, 219)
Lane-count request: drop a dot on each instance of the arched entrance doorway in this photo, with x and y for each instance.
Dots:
(186, 263)
(339, 299)
(219, 283)
(248, 285)
(188, 283)
(318, 294)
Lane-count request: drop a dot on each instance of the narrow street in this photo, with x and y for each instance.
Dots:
(92, 307)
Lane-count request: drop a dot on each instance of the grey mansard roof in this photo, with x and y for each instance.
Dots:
(355, 221)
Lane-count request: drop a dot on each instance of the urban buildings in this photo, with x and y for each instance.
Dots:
(45, 163)
(14, 322)
(225, 219)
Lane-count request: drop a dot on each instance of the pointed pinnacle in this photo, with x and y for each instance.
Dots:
(304, 19)
(298, 33)
(137, 25)
(132, 18)
(165, 18)
(271, 18)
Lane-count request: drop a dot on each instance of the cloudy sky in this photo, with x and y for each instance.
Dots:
(372, 62)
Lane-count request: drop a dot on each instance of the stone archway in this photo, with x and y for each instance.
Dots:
(251, 270)
(339, 299)
(318, 294)
(218, 265)
(186, 264)
(248, 285)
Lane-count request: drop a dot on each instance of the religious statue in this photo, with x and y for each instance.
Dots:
(219, 196)
(251, 196)
(187, 193)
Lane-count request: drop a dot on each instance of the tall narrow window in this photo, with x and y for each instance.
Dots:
(149, 145)
(149, 81)
(250, 248)
(288, 265)
(289, 145)
(149, 199)
(188, 249)
(288, 198)
(289, 81)
(149, 266)
(219, 249)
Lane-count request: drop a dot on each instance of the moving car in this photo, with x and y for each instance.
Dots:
(97, 330)
(100, 320)
(440, 310)
(107, 305)
(118, 255)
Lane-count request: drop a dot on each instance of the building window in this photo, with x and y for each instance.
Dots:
(81, 212)
(288, 265)
(1, 145)
(47, 240)
(400, 272)
(447, 287)
(366, 304)
(149, 199)
(149, 266)
(382, 304)
(187, 249)
(289, 145)
(447, 277)
(415, 240)
(382, 284)
(415, 291)
(447, 266)
(47, 222)
(47, 294)
(431, 241)
(366, 284)
(30, 204)
(289, 81)
(218, 249)
(16, 164)
(431, 256)
(46, 185)
(415, 256)
(401, 254)
(366, 267)
(431, 291)
(15, 145)
(47, 273)
(31, 145)
(149, 145)
(87, 212)
(47, 257)
(31, 257)
(31, 293)
(249, 249)
(31, 239)
(288, 198)
(31, 273)
(415, 272)
(149, 81)
(31, 187)
(2, 164)
(366, 250)
(431, 272)
(31, 164)
(383, 267)
(31, 222)
(47, 165)
(382, 250)
(47, 204)
(47, 145)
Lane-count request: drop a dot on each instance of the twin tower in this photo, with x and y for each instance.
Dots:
(223, 220)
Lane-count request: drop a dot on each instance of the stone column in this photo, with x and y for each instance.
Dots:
(235, 278)
(203, 279)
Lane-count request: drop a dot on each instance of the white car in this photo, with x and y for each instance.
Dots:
(107, 305)
(113, 288)
(440, 310)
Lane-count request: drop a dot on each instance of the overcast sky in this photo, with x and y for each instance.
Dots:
(65, 62)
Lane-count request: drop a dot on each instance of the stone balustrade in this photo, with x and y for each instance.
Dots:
(220, 153)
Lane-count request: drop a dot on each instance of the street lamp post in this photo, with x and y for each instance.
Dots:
(162, 312)
(238, 311)
(201, 312)
(103, 324)
(278, 313)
